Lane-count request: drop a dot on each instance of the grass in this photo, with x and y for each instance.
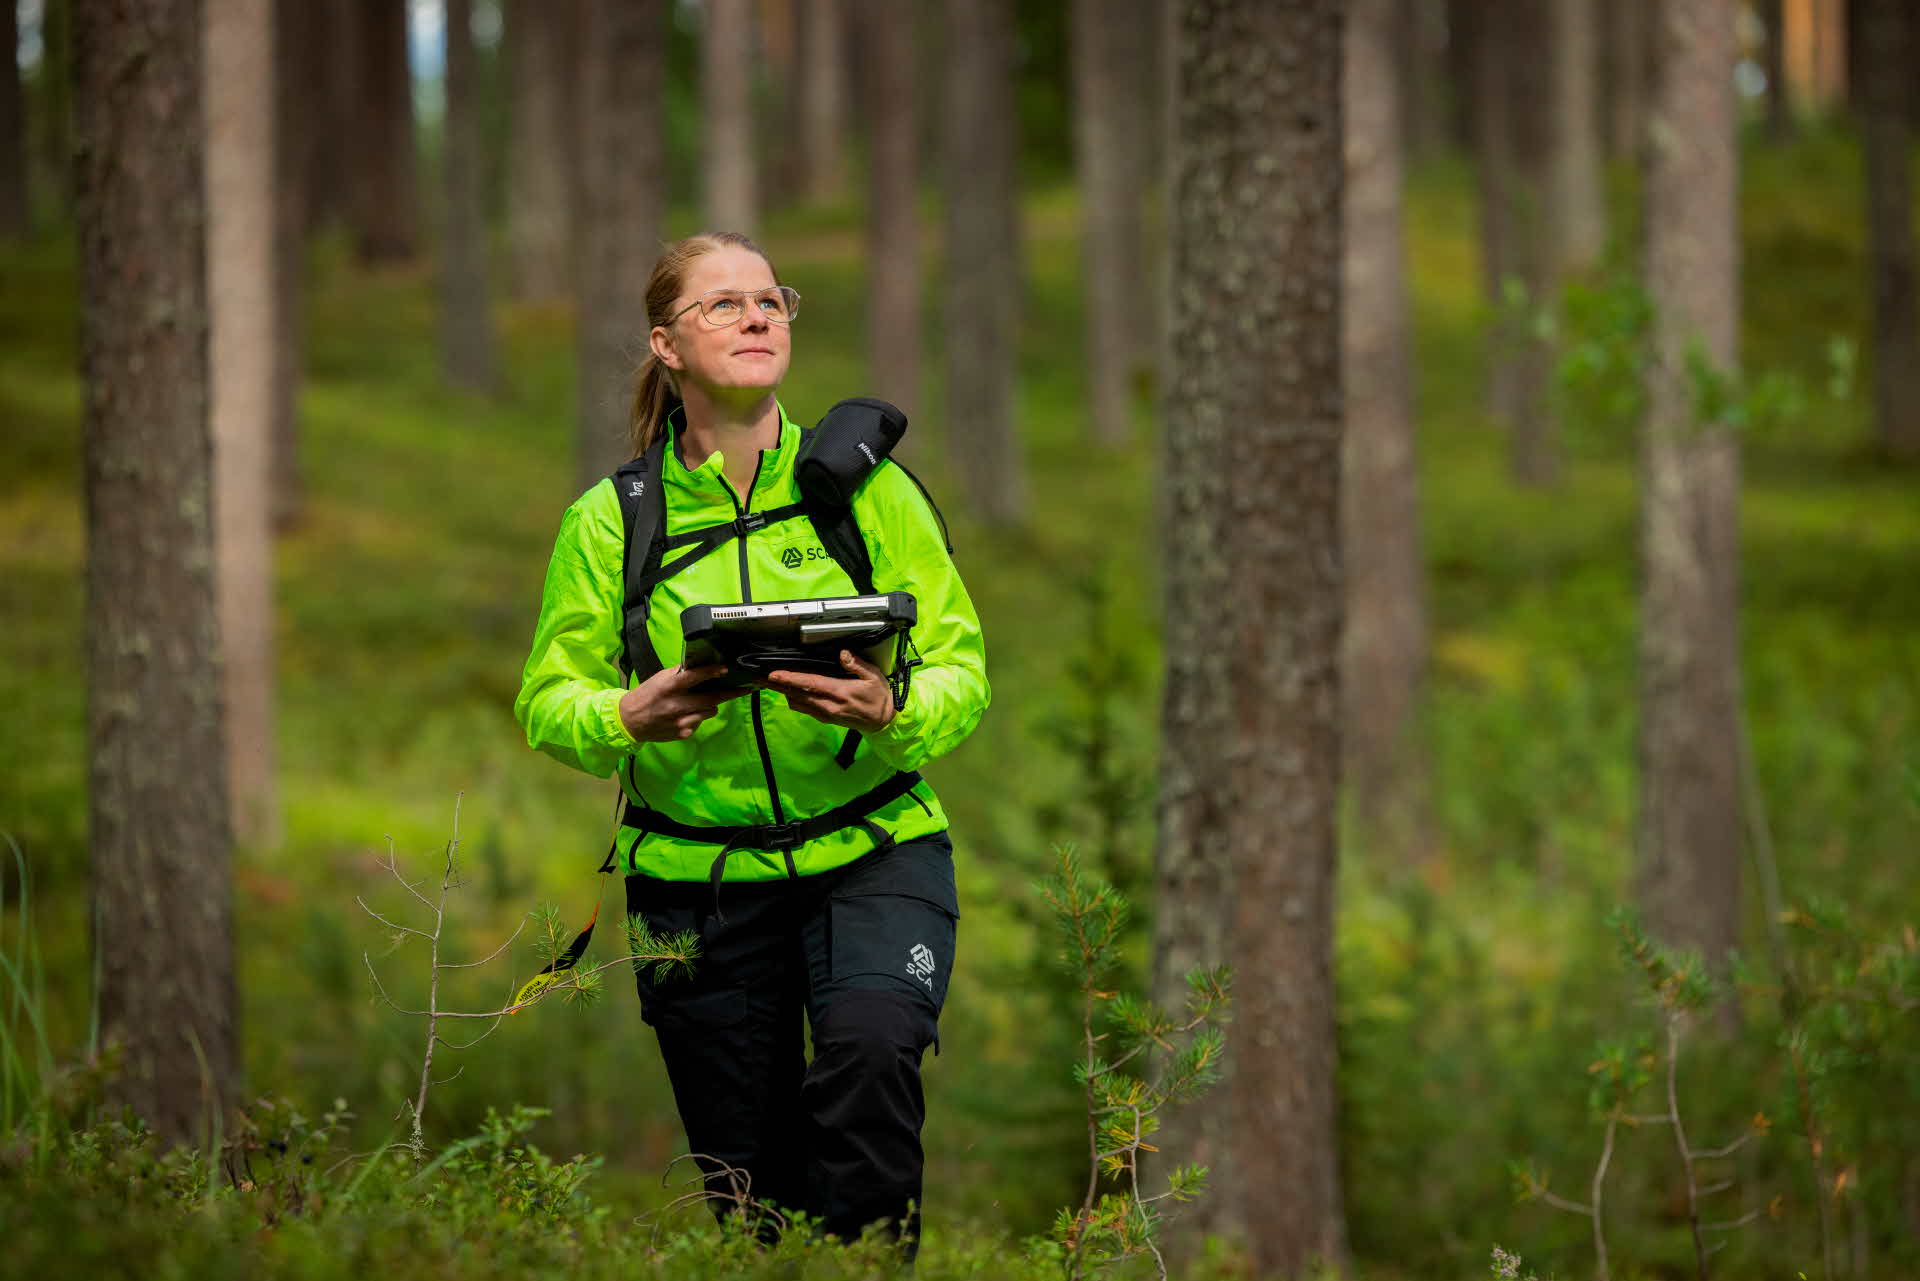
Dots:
(1470, 990)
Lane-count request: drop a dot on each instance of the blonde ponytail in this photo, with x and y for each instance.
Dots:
(654, 395)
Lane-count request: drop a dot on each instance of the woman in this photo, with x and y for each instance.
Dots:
(853, 927)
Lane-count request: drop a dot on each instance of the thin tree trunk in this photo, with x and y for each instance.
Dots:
(466, 323)
(51, 111)
(299, 116)
(386, 203)
(1384, 648)
(243, 297)
(332, 59)
(893, 218)
(1578, 218)
(157, 788)
(821, 80)
(623, 166)
(983, 259)
(1688, 875)
(15, 207)
(726, 80)
(1889, 28)
(1252, 699)
(1420, 51)
(1773, 20)
(1626, 32)
(1110, 136)
(544, 58)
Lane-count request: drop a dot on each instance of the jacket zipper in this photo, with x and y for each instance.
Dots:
(746, 594)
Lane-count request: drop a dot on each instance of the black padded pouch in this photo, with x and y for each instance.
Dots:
(845, 446)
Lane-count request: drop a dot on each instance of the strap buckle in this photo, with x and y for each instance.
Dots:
(750, 521)
(781, 837)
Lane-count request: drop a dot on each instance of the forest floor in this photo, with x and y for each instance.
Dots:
(1474, 984)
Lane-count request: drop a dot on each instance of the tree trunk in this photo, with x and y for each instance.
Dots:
(726, 79)
(623, 164)
(821, 83)
(386, 204)
(1887, 63)
(243, 298)
(1690, 818)
(299, 125)
(1251, 716)
(1420, 52)
(50, 112)
(1111, 133)
(466, 323)
(159, 842)
(1384, 649)
(983, 259)
(1773, 21)
(330, 64)
(544, 59)
(1578, 218)
(1626, 32)
(15, 207)
(893, 219)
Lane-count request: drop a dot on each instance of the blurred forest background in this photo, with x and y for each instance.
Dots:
(1464, 451)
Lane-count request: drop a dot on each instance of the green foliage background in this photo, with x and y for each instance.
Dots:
(1473, 987)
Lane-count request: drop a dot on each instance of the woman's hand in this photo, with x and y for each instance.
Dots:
(860, 700)
(664, 707)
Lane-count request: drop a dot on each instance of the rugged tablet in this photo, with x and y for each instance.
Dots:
(795, 635)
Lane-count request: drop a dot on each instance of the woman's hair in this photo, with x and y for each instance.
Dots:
(654, 394)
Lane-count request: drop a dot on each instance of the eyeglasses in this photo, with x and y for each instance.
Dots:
(723, 307)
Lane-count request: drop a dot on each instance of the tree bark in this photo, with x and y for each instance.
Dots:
(544, 58)
(1420, 52)
(159, 840)
(623, 165)
(726, 78)
(386, 202)
(983, 259)
(1688, 874)
(1578, 210)
(1384, 648)
(243, 300)
(1111, 134)
(1773, 21)
(50, 113)
(820, 77)
(466, 323)
(15, 206)
(1250, 769)
(1889, 28)
(893, 218)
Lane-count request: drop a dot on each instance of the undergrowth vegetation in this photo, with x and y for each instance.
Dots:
(1485, 1014)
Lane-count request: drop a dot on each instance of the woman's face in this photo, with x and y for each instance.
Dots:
(751, 353)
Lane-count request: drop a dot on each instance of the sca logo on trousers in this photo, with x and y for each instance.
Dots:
(920, 964)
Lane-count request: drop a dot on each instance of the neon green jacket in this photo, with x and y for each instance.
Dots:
(570, 692)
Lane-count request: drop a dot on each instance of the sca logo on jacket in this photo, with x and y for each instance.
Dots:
(794, 557)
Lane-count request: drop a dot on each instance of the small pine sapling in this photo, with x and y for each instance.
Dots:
(1123, 1099)
(562, 975)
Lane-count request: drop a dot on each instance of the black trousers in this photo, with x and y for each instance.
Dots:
(864, 952)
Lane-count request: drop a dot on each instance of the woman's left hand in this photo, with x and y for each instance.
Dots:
(860, 700)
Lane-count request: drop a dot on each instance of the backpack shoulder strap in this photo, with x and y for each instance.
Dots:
(643, 515)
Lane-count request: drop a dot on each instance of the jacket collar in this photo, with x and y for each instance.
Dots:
(707, 476)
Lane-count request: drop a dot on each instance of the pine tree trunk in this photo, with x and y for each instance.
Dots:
(466, 323)
(1888, 48)
(893, 220)
(386, 203)
(821, 81)
(1111, 130)
(159, 842)
(543, 59)
(623, 165)
(15, 207)
(1384, 648)
(726, 80)
(1626, 32)
(1578, 217)
(1773, 21)
(983, 259)
(332, 61)
(1420, 55)
(1251, 739)
(51, 111)
(1690, 733)
(243, 299)
(299, 122)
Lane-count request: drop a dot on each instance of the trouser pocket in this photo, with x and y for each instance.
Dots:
(894, 924)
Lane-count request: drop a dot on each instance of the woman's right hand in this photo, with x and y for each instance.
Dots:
(663, 707)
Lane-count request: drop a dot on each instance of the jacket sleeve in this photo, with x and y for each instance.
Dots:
(949, 693)
(569, 702)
